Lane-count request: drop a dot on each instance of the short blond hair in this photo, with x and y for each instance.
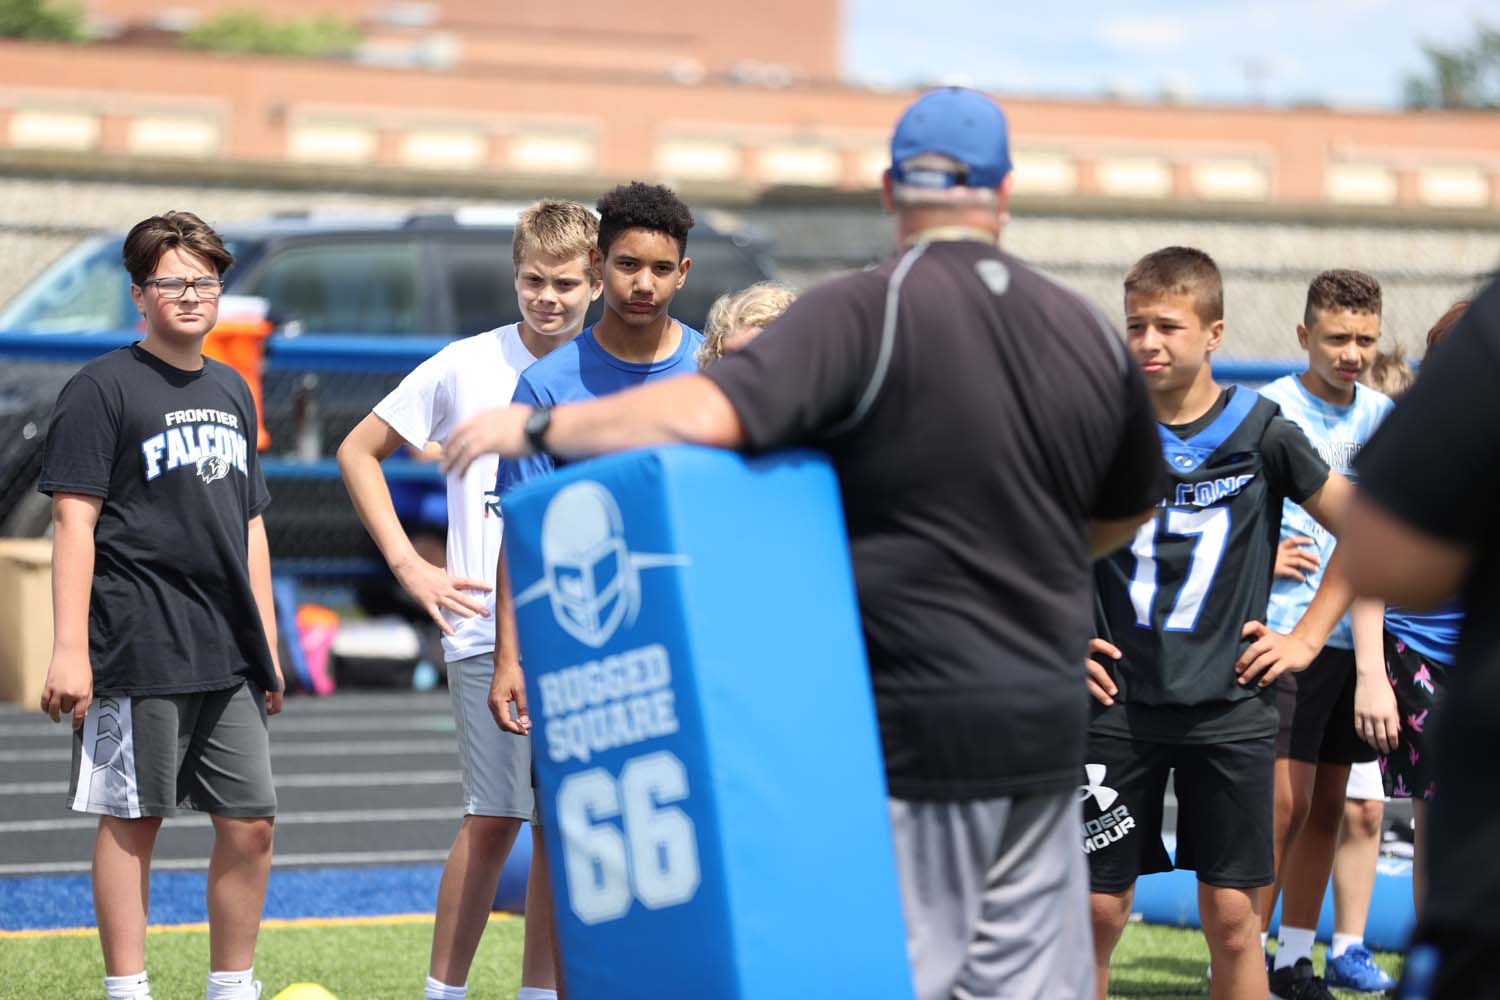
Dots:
(1389, 373)
(759, 305)
(561, 229)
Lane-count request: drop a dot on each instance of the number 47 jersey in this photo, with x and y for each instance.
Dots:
(1176, 600)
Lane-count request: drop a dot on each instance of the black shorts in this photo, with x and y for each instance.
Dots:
(1418, 681)
(1225, 795)
(1317, 712)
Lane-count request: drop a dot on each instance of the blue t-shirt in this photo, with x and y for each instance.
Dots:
(582, 370)
(1434, 634)
(1338, 433)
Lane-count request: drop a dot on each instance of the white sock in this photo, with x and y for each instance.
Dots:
(232, 986)
(127, 987)
(536, 993)
(1293, 943)
(1343, 942)
(442, 991)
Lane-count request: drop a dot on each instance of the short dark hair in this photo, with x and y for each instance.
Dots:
(1445, 324)
(1180, 271)
(1344, 290)
(643, 206)
(150, 238)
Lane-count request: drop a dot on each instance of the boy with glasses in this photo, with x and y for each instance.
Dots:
(164, 632)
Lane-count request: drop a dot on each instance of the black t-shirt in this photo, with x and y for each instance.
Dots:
(1175, 601)
(1435, 464)
(973, 440)
(171, 454)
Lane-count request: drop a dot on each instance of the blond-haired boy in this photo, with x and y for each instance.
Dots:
(739, 317)
(555, 284)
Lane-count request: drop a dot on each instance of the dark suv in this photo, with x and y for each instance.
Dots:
(356, 303)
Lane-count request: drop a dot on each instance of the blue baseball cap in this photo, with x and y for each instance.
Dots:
(956, 122)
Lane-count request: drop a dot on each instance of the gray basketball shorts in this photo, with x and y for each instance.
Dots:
(995, 894)
(151, 755)
(496, 765)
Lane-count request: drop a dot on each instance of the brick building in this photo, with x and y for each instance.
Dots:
(733, 99)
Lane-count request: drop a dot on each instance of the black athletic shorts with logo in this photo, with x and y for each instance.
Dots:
(1317, 712)
(1225, 795)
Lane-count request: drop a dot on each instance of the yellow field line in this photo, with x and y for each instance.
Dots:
(391, 920)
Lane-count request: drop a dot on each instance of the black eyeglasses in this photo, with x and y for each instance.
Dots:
(173, 288)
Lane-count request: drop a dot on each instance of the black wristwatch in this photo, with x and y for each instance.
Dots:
(536, 428)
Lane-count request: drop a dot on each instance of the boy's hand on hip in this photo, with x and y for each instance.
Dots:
(432, 588)
(69, 687)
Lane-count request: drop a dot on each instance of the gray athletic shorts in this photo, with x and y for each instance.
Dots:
(996, 897)
(151, 755)
(496, 764)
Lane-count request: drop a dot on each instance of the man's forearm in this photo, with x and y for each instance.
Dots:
(685, 410)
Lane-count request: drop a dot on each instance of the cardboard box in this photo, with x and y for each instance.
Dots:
(25, 619)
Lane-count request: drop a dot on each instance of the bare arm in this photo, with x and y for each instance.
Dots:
(509, 684)
(1391, 559)
(70, 676)
(1272, 654)
(685, 410)
(1106, 536)
(1376, 717)
(265, 603)
(368, 444)
(1330, 505)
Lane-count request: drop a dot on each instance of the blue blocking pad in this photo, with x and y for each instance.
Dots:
(708, 765)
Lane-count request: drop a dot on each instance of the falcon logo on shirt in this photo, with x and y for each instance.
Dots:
(211, 467)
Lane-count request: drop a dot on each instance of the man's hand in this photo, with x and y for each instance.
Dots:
(500, 431)
(69, 687)
(1294, 561)
(1100, 681)
(1377, 720)
(432, 588)
(1271, 654)
(509, 688)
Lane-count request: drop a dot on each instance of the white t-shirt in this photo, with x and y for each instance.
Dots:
(467, 377)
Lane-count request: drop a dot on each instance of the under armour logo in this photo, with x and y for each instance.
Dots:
(1103, 795)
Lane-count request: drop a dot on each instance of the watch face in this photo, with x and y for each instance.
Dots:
(536, 426)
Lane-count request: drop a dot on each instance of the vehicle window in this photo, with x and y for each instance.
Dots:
(481, 285)
(352, 287)
(88, 290)
(718, 267)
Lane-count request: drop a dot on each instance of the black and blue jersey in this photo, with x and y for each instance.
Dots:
(1177, 598)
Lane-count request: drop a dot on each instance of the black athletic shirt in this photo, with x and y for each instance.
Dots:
(1435, 464)
(171, 454)
(972, 445)
(1175, 601)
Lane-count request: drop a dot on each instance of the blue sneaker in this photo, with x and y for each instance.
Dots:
(1356, 970)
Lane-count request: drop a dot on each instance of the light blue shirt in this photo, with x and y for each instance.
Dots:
(1337, 433)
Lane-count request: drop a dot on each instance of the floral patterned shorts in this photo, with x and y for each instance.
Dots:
(1418, 682)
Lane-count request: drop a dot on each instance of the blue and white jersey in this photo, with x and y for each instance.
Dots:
(1338, 433)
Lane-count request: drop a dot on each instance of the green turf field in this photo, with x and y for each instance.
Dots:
(388, 962)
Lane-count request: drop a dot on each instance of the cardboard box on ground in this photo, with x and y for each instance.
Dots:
(25, 619)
